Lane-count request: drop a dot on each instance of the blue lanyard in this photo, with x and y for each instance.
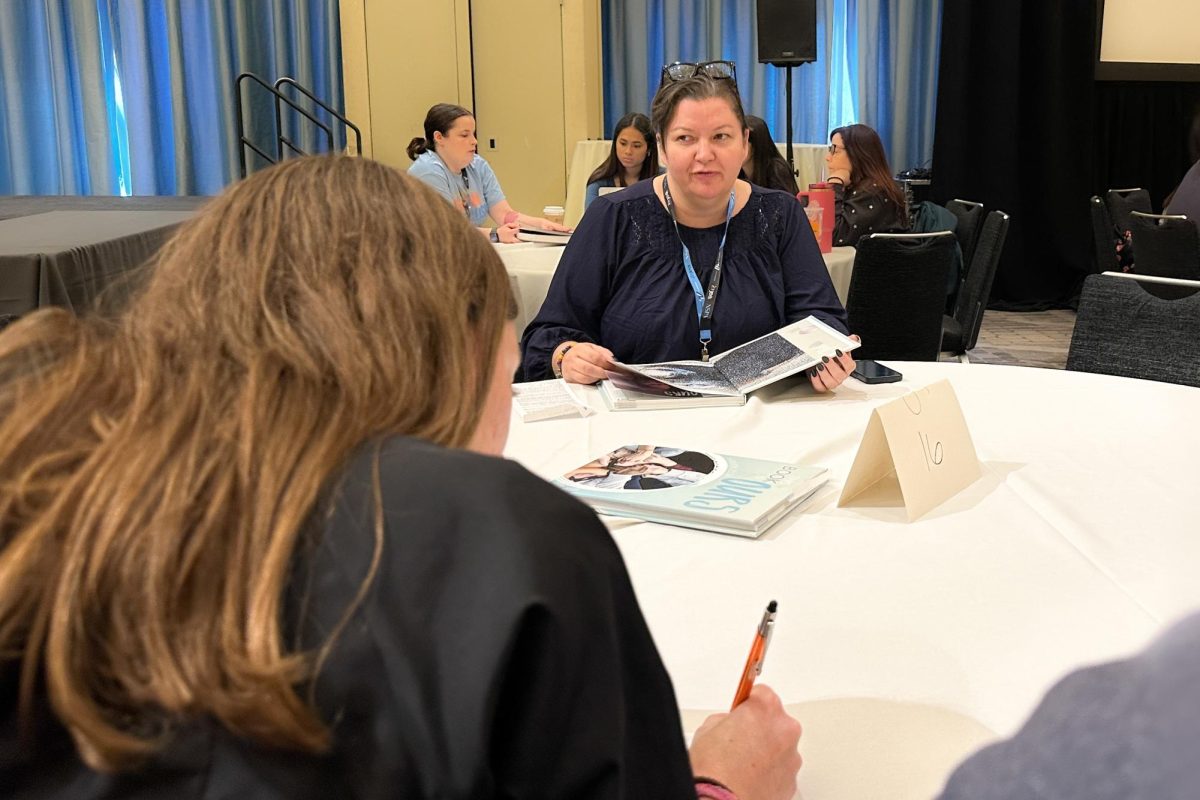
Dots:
(706, 301)
(464, 194)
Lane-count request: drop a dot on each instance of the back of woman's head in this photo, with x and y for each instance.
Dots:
(699, 87)
(156, 469)
(868, 161)
(439, 119)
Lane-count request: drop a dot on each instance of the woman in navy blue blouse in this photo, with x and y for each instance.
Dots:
(622, 288)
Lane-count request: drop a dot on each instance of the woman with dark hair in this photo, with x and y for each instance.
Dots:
(633, 157)
(639, 280)
(867, 197)
(764, 165)
(446, 160)
(256, 545)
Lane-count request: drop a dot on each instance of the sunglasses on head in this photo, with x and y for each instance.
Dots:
(682, 70)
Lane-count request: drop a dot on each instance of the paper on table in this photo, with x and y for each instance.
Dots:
(920, 444)
(546, 400)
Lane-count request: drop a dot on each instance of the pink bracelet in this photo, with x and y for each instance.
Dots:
(708, 789)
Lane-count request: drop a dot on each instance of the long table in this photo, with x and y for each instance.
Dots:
(531, 266)
(1078, 545)
(69, 258)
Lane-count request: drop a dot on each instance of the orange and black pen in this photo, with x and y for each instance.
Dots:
(758, 653)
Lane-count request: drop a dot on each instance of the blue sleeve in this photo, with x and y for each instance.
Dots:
(1119, 730)
(489, 185)
(592, 192)
(432, 176)
(578, 294)
(806, 283)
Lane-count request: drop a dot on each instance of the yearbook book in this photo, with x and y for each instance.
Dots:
(693, 489)
(731, 375)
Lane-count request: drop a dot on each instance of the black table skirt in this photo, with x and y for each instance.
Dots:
(74, 258)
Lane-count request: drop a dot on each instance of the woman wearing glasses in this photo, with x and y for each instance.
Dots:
(633, 158)
(633, 282)
(446, 160)
(867, 197)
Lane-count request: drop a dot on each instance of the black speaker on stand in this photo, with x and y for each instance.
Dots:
(787, 36)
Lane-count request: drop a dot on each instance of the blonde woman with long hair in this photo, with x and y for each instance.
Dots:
(256, 541)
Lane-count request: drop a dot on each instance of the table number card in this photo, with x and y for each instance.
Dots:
(919, 445)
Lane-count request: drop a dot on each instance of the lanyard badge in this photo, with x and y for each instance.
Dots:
(706, 301)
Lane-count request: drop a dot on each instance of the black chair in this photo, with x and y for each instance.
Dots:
(1103, 232)
(970, 220)
(1166, 246)
(1123, 202)
(898, 292)
(1124, 330)
(960, 332)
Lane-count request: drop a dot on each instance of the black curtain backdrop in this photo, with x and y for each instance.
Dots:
(1023, 126)
(1014, 112)
(1141, 136)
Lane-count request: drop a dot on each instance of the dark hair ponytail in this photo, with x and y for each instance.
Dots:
(417, 146)
(439, 119)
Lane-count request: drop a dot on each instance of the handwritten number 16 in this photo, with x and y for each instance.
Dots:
(933, 455)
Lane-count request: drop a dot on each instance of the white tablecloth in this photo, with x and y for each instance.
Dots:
(531, 266)
(1078, 545)
(590, 153)
(840, 263)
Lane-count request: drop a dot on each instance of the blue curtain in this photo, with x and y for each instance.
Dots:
(876, 64)
(119, 97)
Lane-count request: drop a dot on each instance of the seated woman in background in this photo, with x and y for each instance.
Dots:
(631, 283)
(764, 165)
(867, 197)
(446, 160)
(1185, 199)
(633, 157)
(227, 566)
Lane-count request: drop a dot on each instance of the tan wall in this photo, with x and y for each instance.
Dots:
(398, 59)
(537, 81)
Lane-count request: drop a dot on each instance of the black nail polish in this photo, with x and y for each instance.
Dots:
(839, 352)
(812, 373)
(824, 359)
(820, 367)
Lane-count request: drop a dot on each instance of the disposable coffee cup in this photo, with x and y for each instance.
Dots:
(554, 214)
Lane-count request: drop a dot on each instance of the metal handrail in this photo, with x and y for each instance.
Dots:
(282, 140)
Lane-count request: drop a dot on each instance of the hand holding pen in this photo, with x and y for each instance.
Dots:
(753, 748)
(758, 654)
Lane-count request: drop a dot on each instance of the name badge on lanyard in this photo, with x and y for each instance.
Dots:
(706, 300)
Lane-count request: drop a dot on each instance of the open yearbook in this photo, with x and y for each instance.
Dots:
(727, 378)
(692, 489)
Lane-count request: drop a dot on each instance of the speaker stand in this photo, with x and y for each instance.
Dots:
(791, 160)
(787, 67)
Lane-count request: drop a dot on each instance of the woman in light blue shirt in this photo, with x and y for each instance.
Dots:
(446, 160)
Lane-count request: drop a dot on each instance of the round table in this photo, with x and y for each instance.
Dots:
(1077, 545)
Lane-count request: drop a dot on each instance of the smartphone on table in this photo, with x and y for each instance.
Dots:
(869, 371)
